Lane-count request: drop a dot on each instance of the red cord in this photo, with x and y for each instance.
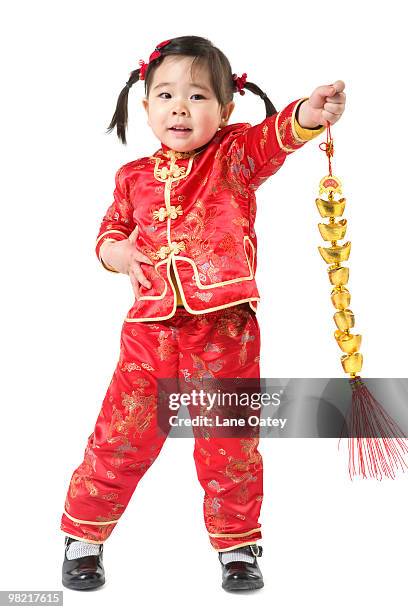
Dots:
(328, 147)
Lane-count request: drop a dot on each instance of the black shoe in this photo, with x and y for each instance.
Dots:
(242, 575)
(83, 573)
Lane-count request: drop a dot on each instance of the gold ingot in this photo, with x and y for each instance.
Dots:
(335, 254)
(349, 343)
(338, 276)
(333, 231)
(334, 208)
(352, 363)
(340, 298)
(344, 319)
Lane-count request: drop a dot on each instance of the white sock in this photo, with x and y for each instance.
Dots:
(237, 555)
(79, 549)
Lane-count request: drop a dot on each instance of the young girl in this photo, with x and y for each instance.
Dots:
(182, 227)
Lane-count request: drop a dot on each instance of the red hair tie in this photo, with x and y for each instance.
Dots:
(156, 53)
(239, 82)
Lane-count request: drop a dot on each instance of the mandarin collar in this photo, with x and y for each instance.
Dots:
(168, 152)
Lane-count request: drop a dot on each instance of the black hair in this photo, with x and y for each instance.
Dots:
(204, 52)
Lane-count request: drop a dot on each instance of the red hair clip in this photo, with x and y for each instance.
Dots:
(156, 53)
(240, 82)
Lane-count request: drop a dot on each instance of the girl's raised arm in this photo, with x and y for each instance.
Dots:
(258, 152)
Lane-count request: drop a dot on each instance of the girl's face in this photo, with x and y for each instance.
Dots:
(175, 100)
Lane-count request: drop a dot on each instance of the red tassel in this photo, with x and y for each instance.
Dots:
(375, 441)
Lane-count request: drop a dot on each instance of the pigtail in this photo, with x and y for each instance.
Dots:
(270, 109)
(120, 116)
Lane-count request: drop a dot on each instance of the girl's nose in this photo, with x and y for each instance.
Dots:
(180, 107)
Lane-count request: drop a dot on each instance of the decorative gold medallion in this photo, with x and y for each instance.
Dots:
(329, 184)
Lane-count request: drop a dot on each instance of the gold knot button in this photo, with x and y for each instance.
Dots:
(162, 213)
(175, 247)
(175, 211)
(173, 172)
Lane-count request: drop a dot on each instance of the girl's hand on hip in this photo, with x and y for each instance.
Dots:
(134, 269)
(326, 104)
(124, 257)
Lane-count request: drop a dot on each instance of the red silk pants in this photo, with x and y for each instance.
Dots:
(126, 440)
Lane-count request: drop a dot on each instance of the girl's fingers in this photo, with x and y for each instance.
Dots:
(135, 284)
(133, 234)
(337, 109)
(340, 97)
(142, 257)
(331, 117)
(137, 271)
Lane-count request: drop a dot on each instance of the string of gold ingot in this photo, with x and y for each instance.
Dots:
(335, 255)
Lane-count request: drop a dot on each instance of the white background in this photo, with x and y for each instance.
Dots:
(328, 543)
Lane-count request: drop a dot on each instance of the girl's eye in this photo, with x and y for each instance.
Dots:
(167, 94)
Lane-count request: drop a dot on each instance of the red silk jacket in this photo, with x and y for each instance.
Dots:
(196, 213)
